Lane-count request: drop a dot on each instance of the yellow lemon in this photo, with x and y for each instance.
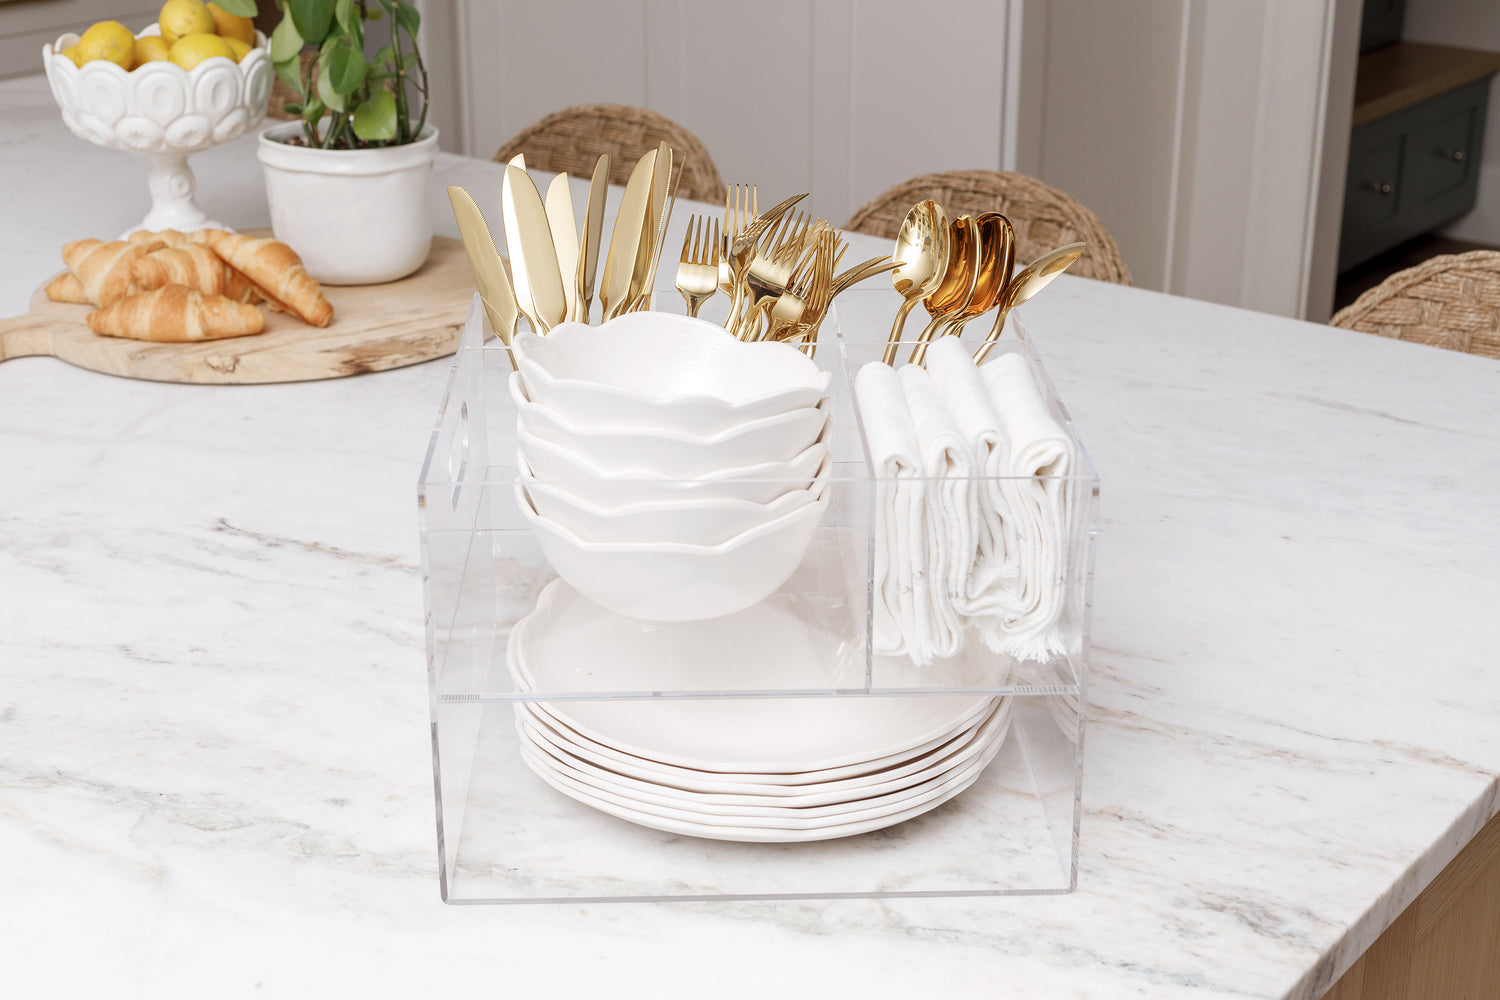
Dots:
(190, 50)
(107, 40)
(180, 18)
(72, 53)
(228, 25)
(150, 48)
(240, 49)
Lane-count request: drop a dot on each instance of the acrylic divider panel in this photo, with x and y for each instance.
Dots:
(538, 697)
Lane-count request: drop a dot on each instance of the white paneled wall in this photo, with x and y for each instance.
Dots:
(1196, 130)
(838, 97)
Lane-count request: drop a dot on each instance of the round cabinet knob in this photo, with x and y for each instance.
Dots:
(1379, 187)
(1456, 155)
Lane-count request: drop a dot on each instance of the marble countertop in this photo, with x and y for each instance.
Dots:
(215, 776)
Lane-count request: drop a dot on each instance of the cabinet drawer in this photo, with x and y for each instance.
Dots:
(1373, 190)
(1443, 153)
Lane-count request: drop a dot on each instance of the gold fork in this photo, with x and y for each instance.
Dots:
(800, 319)
(698, 271)
(742, 251)
(781, 256)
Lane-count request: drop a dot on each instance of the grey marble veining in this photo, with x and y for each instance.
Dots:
(214, 762)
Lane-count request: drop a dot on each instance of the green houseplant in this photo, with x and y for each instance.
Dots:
(347, 181)
(367, 98)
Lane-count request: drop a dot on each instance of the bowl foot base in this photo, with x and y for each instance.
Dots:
(172, 187)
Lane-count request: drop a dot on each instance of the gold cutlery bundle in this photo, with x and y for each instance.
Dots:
(960, 270)
(778, 269)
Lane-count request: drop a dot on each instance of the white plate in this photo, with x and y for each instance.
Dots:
(890, 794)
(756, 834)
(571, 644)
(809, 785)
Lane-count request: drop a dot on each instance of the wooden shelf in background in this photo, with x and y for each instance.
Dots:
(1406, 73)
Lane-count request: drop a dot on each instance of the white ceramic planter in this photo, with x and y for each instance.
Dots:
(354, 216)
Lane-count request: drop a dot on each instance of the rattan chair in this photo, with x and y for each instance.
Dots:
(572, 140)
(1451, 301)
(1043, 217)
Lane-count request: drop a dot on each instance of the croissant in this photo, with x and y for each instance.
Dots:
(67, 288)
(195, 266)
(171, 237)
(277, 272)
(175, 313)
(105, 269)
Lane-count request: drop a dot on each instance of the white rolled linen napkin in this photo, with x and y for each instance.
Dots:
(900, 531)
(1038, 507)
(948, 474)
(986, 598)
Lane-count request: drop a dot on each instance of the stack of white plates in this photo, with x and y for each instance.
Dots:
(748, 769)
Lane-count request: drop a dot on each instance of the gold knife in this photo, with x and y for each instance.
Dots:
(661, 217)
(533, 260)
(593, 233)
(564, 238)
(484, 260)
(625, 242)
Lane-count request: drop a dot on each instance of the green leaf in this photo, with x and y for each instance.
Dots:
(312, 18)
(239, 8)
(312, 111)
(373, 13)
(292, 108)
(285, 42)
(409, 60)
(387, 6)
(326, 93)
(384, 57)
(376, 118)
(289, 72)
(407, 16)
(346, 68)
(343, 10)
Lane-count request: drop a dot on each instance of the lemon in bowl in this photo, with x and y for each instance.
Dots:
(107, 40)
(150, 48)
(181, 18)
(232, 26)
(190, 50)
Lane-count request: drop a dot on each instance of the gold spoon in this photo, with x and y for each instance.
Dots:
(921, 255)
(1037, 275)
(997, 241)
(957, 287)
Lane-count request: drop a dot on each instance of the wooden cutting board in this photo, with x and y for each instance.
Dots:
(375, 327)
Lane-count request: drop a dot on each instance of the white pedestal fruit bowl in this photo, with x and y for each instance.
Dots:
(163, 112)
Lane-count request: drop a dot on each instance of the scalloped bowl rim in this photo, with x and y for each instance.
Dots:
(746, 537)
(790, 418)
(654, 477)
(667, 506)
(557, 339)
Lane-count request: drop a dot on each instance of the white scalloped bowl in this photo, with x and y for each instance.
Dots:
(618, 487)
(678, 453)
(667, 582)
(685, 521)
(160, 107)
(659, 370)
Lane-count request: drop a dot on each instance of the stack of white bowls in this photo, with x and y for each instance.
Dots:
(671, 472)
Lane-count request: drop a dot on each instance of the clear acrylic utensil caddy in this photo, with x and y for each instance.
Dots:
(505, 836)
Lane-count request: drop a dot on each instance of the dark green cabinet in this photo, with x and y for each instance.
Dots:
(1412, 171)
